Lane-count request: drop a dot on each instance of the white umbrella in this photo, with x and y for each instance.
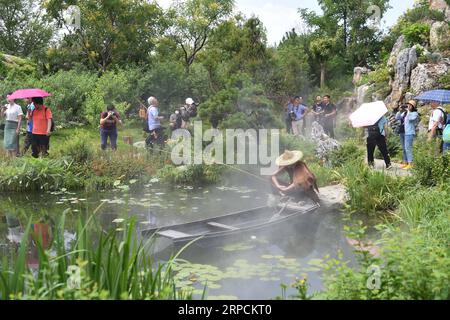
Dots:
(368, 114)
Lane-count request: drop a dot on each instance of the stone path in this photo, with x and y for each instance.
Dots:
(395, 171)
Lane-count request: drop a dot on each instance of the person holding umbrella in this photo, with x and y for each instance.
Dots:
(438, 116)
(13, 115)
(371, 116)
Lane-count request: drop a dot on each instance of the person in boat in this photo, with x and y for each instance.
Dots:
(302, 182)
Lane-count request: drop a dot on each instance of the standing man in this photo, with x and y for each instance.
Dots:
(108, 127)
(376, 137)
(154, 123)
(41, 117)
(289, 106)
(297, 114)
(317, 110)
(329, 116)
(29, 136)
(436, 124)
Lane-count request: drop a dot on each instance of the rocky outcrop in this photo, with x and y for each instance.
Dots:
(440, 36)
(426, 76)
(442, 6)
(405, 62)
(398, 46)
(358, 72)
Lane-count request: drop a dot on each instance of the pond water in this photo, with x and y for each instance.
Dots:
(251, 268)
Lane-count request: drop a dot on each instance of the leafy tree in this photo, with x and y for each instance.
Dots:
(24, 30)
(192, 24)
(111, 31)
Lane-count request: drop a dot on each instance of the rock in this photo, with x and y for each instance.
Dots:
(426, 76)
(398, 46)
(360, 94)
(441, 6)
(440, 35)
(324, 144)
(358, 73)
(333, 197)
(346, 105)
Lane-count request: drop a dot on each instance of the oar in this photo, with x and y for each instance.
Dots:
(278, 214)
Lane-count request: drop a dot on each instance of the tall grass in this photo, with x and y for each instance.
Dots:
(113, 265)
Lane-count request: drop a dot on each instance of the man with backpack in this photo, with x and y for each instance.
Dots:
(41, 117)
(438, 119)
(376, 137)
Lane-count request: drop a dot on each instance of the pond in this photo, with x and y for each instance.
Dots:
(251, 268)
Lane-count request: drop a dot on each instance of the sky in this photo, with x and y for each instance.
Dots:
(279, 16)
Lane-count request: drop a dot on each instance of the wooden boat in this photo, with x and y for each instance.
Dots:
(234, 224)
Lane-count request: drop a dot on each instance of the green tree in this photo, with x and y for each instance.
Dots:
(193, 22)
(111, 32)
(322, 50)
(24, 30)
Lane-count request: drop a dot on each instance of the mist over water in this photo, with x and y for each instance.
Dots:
(251, 267)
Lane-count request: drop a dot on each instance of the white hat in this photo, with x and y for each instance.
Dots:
(289, 158)
(151, 100)
(189, 101)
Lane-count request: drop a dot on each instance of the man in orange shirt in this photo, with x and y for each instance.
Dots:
(42, 124)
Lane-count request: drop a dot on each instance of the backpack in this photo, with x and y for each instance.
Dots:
(192, 110)
(401, 127)
(445, 116)
(374, 131)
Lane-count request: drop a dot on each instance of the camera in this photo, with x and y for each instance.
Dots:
(404, 106)
(292, 115)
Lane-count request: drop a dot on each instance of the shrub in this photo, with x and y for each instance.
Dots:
(348, 152)
(372, 191)
(191, 174)
(417, 33)
(38, 174)
(430, 169)
(290, 142)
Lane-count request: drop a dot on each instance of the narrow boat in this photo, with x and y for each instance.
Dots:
(234, 224)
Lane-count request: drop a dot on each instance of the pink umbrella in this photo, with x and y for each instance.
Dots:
(29, 93)
(368, 114)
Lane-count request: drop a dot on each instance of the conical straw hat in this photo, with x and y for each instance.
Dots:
(289, 158)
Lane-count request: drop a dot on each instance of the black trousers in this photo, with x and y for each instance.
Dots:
(39, 145)
(328, 127)
(28, 141)
(380, 142)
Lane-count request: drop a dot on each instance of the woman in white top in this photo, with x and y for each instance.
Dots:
(13, 115)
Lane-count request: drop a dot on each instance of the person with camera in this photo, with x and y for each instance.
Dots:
(329, 116)
(410, 122)
(154, 123)
(318, 110)
(297, 114)
(108, 127)
(400, 115)
(175, 120)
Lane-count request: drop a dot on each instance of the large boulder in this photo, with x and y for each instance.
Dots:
(426, 75)
(440, 36)
(398, 46)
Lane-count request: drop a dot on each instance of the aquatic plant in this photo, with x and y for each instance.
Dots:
(96, 265)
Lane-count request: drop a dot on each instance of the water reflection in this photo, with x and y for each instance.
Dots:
(262, 261)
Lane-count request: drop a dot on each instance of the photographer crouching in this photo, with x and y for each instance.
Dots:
(108, 127)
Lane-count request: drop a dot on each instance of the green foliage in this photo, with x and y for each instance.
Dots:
(191, 174)
(38, 174)
(414, 255)
(393, 145)
(444, 82)
(290, 142)
(349, 151)
(112, 265)
(430, 169)
(380, 78)
(371, 191)
(417, 33)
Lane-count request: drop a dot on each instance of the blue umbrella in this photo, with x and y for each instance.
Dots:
(442, 96)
